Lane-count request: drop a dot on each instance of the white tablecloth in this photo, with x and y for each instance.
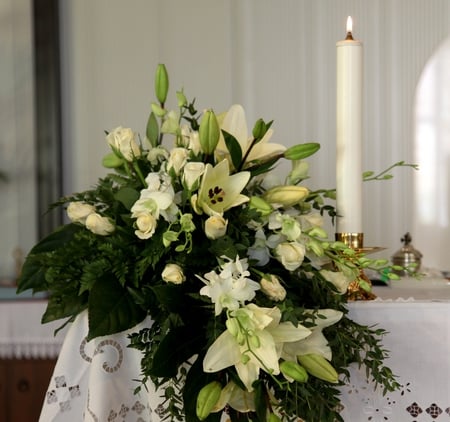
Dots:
(93, 381)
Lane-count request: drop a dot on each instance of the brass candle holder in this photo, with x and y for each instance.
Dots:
(355, 241)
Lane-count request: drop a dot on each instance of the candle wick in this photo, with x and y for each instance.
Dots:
(349, 35)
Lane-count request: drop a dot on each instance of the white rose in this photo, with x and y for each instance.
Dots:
(124, 140)
(177, 159)
(79, 211)
(313, 219)
(215, 227)
(290, 254)
(191, 174)
(99, 225)
(146, 225)
(173, 273)
(338, 279)
(157, 155)
(271, 287)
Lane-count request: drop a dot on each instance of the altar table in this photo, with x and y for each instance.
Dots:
(94, 381)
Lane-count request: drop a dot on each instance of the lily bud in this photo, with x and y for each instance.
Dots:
(260, 129)
(209, 132)
(161, 83)
(263, 207)
(286, 196)
(301, 151)
(207, 398)
(318, 367)
(293, 371)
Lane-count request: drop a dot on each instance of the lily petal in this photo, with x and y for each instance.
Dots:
(224, 352)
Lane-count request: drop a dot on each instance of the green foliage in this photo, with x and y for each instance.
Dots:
(119, 277)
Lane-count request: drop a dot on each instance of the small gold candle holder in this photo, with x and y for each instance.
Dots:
(352, 240)
(356, 241)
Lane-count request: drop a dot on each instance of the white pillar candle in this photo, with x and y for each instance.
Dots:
(349, 134)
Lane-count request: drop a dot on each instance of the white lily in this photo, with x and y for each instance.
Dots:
(219, 191)
(316, 342)
(235, 123)
(253, 340)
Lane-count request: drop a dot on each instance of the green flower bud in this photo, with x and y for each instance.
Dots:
(207, 398)
(260, 129)
(286, 195)
(263, 207)
(161, 83)
(209, 132)
(301, 151)
(292, 370)
(318, 367)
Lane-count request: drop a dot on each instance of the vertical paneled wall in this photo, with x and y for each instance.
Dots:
(276, 58)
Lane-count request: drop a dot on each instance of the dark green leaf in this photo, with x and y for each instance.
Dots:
(33, 274)
(170, 296)
(59, 308)
(58, 238)
(260, 401)
(195, 380)
(32, 277)
(111, 308)
(234, 148)
(127, 196)
(179, 344)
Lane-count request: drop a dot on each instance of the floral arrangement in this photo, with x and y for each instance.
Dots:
(246, 292)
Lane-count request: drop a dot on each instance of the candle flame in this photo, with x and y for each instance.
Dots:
(349, 25)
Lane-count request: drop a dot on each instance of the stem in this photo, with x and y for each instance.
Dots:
(139, 173)
(398, 164)
(244, 158)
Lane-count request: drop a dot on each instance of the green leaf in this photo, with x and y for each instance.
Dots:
(178, 345)
(301, 151)
(258, 167)
(127, 196)
(152, 130)
(260, 401)
(111, 308)
(33, 274)
(195, 380)
(234, 148)
(57, 239)
(59, 308)
(112, 161)
(170, 296)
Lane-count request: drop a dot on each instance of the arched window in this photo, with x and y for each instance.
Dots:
(432, 153)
